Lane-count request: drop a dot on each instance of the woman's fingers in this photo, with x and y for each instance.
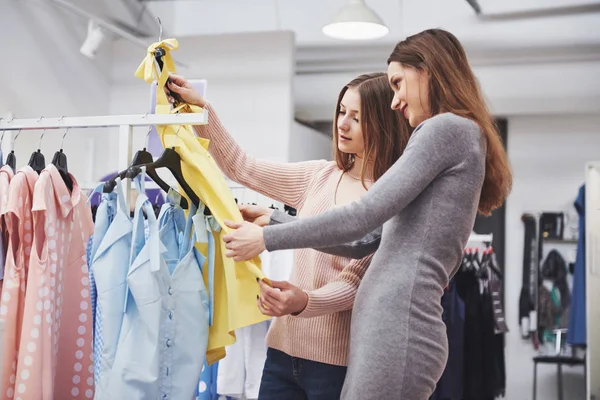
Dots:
(263, 310)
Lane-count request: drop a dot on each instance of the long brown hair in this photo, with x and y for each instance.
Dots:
(385, 134)
(453, 88)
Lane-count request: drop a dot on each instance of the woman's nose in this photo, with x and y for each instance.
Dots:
(343, 124)
(396, 102)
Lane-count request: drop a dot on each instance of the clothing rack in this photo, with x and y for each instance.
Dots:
(245, 195)
(592, 276)
(126, 123)
(474, 237)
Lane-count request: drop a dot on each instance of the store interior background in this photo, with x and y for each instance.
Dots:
(269, 66)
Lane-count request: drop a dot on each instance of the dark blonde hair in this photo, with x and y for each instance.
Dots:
(385, 134)
(453, 88)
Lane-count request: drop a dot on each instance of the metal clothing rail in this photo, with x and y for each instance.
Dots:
(124, 122)
(481, 238)
(104, 121)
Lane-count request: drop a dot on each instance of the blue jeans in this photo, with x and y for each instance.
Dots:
(292, 378)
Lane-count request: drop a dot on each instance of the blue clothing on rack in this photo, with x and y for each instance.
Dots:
(576, 334)
(110, 264)
(165, 330)
(207, 386)
(104, 217)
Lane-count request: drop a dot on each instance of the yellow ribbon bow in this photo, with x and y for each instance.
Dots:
(148, 69)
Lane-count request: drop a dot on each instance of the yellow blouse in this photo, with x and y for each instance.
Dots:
(235, 285)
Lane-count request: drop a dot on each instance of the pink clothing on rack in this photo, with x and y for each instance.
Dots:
(6, 174)
(18, 218)
(55, 356)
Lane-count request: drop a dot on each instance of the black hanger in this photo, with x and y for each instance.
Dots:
(290, 210)
(483, 272)
(170, 160)
(11, 160)
(60, 162)
(142, 157)
(465, 260)
(492, 263)
(37, 161)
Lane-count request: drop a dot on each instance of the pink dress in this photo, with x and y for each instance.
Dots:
(55, 354)
(6, 174)
(19, 223)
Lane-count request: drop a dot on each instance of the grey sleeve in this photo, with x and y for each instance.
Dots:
(436, 145)
(357, 249)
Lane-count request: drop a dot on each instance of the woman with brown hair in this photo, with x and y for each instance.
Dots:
(454, 165)
(308, 341)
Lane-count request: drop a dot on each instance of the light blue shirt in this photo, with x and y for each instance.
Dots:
(110, 265)
(164, 337)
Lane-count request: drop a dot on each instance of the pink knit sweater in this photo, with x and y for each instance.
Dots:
(322, 331)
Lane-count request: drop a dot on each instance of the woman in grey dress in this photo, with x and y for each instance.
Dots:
(454, 166)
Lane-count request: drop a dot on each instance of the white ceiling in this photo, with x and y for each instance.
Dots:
(507, 30)
(511, 33)
(305, 18)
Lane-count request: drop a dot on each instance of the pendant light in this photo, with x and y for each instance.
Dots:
(356, 21)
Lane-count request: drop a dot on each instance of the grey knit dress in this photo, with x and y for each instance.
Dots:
(427, 203)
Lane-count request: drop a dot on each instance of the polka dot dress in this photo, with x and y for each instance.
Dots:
(19, 224)
(6, 174)
(55, 354)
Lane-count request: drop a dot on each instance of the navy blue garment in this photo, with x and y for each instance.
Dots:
(450, 385)
(293, 378)
(484, 376)
(577, 320)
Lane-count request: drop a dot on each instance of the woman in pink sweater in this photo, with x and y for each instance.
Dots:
(308, 340)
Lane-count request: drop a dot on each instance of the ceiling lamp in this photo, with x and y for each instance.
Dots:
(94, 39)
(356, 21)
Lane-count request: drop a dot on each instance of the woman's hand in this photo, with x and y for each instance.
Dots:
(184, 90)
(244, 243)
(257, 215)
(281, 299)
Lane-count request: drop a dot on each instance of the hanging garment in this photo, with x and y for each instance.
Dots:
(106, 211)
(55, 355)
(164, 334)
(527, 312)
(240, 372)
(207, 386)
(576, 335)
(484, 376)
(235, 282)
(6, 174)
(19, 223)
(278, 265)
(205, 229)
(450, 385)
(110, 265)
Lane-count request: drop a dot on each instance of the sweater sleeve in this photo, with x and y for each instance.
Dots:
(357, 249)
(283, 182)
(440, 143)
(337, 295)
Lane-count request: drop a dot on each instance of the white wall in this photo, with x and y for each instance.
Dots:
(517, 89)
(548, 156)
(309, 144)
(43, 74)
(249, 84)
